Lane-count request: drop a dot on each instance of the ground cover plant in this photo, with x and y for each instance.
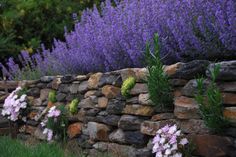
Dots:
(115, 37)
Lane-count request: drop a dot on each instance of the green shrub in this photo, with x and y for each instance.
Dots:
(157, 81)
(24, 24)
(127, 85)
(73, 106)
(211, 103)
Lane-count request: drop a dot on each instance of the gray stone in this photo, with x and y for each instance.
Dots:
(110, 79)
(128, 122)
(10, 85)
(193, 126)
(115, 106)
(86, 103)
(227, 70)
(111, 120)
(191, 69)
(124, 150)
(61, 97)
(35, 92)
(178, 82)
(64, 88)
(133, 100)
(190, 89)
(144, 152)
(81, 77)
(47, 79)
(144, 99)
(74, 88)
(98, 131)
(230, 132)
(83, 87)
(68, 79)
(83, 141)
(44, 94)
(139, 88)
(39, 134)
(117, 136)
(227, 86)
(32, 122)
(92, 112)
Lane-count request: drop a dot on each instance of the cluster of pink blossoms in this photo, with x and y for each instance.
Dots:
(167, 141)
(13, 105)
(52, 113)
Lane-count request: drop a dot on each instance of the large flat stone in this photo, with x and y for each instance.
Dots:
(139, 88)
(110, 91)
(128, 122)
(140, 110)
(98, 131)
(230, 114)
(186, 108)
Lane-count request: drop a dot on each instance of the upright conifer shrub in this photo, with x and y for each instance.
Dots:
(158, 84)
(211, 103)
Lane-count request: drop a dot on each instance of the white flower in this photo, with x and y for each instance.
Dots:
(177, 155)
(159, 154)
(172, 129)
(162, 140)
(174, 147)
(183, 141)
(178, 133)
(167, 152)
(22, 98)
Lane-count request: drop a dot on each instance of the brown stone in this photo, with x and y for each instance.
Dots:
(230, 114)
(140, 110)
(4, 131)
(186, 108)
(178, 82)
(126, 73)
(3, 97)
(90, 93)
(212, 145)
(141, 74)
(94, 80)
(44, 94)
(56, 83)
(177, 92)
(144, 99)
(172, 69)
(8, 85)
(98, 131)
(30, 129)
(110, 91)
(229, 98)
(37, 102)
(150, 127)
(74, 129)
(102, 102)
(139, 88)
(162, 116)
(194, 126)
(227, 86)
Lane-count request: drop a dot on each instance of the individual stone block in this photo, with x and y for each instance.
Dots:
(61, 97)
(83, 87)
(64, 88)
(68, 78)
(178, 82)
(94, 80)
(163, 116)
(86, 103)
(144, 99)
(110, 91)
(110, 79)
(186, 108)
(102, 102)
(229, 98)
(227, 70)
(98, 131)
(128, 122)
(115, 106)
(46, 79)
(193, 126)
(188, 70)
(74, 129)
(138, 110)
(139, 88)
(74, 88)
(150, 127)
(212, 145)
(230, 114)
(10, 85)
(44, 94)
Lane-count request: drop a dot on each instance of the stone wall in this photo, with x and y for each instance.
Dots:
(108, 121)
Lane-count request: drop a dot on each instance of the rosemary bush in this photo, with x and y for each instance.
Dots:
(157, 81)
(211, 103)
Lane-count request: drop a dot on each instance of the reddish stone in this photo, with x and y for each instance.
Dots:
(230, 114)
(74, 129)
(172, 69)
(102, 102)
(229, 98)
(32, 115)
(163, 116)
(212, 145)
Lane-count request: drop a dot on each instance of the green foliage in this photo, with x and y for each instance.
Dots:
(14, 148)
(52, 96)
(59, 126)
(73, 106)
(211, 103)
(157, 81)
(24, 24)
(127, 85)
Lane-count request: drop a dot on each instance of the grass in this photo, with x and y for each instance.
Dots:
(16, 148)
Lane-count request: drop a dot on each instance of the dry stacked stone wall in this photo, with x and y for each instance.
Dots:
(108, 121)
